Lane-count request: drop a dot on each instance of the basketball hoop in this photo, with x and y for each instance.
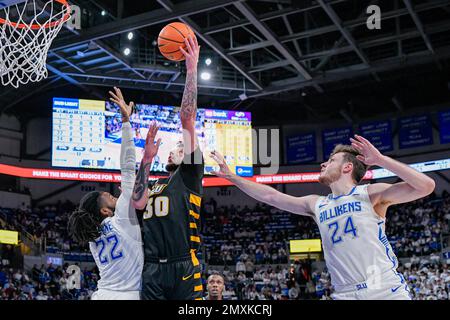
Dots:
(26, 34)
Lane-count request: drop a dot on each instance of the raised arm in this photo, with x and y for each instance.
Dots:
(140, 192)
(415, 184)
(298, 205)
(127, 149)
(188, 112)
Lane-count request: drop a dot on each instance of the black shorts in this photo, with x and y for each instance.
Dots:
(174, 279)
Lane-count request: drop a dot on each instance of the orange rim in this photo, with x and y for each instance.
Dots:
(66, 17)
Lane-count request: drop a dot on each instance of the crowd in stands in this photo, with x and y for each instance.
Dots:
(45, 283)
(169, 117)
(251, 245)
(415, 228)
(266, 283)
(298, 282)
(233, 234)
(428, 279)
(259, 235)
(49, 222)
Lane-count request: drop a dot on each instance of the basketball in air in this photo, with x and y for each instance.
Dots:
(171, 38)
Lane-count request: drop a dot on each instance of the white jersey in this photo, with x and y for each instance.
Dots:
(118, 252)
(357, 252)
(103, 294)
(119, 256)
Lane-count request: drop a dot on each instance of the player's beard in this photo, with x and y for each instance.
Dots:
(330, 177)
(171, 167)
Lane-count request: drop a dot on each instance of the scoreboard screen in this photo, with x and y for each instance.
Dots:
(88, 133)
(229, 132)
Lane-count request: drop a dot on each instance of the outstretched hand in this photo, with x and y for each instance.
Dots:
(224, 170)
(369, 155)
(191, 53)
(125, 109)
(151, 149)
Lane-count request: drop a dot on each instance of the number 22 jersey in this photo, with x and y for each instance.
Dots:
(118, 252)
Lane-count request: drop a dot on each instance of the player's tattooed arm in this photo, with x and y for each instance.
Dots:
(140, 193)
(188, 112)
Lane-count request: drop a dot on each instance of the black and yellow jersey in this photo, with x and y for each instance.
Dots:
(171, 220)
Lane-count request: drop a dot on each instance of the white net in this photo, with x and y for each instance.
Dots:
(26, 34)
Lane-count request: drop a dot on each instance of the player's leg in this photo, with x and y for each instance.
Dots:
(129, 295)
(391, 287)
(102, 294)
(95, 296)
(152, 282)
(187, 281)
(344, 296)
(396, 288)
(386, 293)
(402, 293)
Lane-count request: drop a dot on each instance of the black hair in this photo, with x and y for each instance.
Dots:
(84, 223)
(215, 273)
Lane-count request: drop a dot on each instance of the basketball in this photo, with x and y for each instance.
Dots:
(171, 38)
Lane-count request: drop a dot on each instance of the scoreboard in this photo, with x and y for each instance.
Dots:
(87, 134)
(230, 133)
(79, 134)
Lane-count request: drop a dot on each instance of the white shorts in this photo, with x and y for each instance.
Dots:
(102, 294)
(391, 287)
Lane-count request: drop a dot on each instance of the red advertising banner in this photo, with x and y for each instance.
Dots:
(96, 176)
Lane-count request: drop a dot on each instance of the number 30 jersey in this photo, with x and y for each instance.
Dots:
(171, 220)
(354, 242)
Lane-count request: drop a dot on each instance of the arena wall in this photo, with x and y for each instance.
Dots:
(14, 200)
(37, 141)
(10, 136)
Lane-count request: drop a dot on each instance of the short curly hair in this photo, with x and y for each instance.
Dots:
(350, 153)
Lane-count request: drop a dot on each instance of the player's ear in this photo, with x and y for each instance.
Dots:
(348, 167)
(106, 212)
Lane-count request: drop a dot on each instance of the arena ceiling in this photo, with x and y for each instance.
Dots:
(285, 60)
